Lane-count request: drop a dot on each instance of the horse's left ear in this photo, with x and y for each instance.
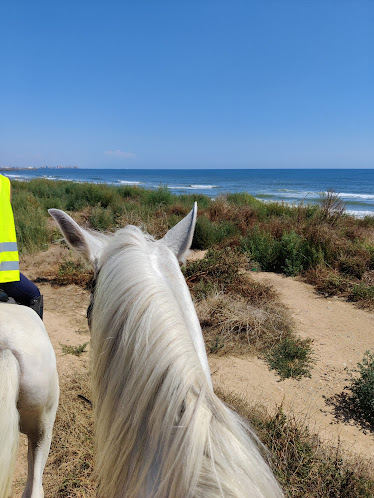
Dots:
(179, 238)
(89, 244)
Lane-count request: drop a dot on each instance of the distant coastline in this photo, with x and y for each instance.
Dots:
(33, 168)
(293, 186)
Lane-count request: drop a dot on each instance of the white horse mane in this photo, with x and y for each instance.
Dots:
(161, 431)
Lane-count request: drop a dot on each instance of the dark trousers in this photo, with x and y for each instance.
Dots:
(22, 292)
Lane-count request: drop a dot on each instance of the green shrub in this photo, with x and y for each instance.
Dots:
(291, 258)
(362, 389)
(30, 221)
(74, 350)
(243, 199)
(279, 210)
(130, 192)
(290, 254)
(101, 218)
(203, 201)
(363, 292)
(292, 357)
(261, 247)
(160, 197)
(208, 233)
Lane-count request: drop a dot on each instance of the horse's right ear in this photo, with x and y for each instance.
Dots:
(179, 238)
(86, 243)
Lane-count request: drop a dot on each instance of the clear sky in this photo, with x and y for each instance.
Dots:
(187, 83)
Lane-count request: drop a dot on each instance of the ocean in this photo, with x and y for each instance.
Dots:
(293, 186)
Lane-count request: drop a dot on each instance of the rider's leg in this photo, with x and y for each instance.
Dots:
(3, 296)
(25, 292)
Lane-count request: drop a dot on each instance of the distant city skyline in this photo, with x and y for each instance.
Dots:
(209, 84)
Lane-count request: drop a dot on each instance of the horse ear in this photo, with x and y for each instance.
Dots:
(86, 243)
(179, 238)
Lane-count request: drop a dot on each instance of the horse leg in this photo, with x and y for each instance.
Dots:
(39, 443)
(38, 449)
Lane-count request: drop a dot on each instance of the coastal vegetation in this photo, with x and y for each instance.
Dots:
(318, 243)
(328, 248)
(360, 400)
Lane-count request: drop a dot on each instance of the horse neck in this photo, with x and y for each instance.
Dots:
(144, 365)
(175, 281)
(140, 282)
(160, 429)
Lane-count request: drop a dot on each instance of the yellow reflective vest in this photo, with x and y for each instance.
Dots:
(9, 260)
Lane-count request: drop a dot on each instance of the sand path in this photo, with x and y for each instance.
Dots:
(341, 334)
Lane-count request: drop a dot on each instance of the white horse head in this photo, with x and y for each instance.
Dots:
(164, 254)
(161, 431)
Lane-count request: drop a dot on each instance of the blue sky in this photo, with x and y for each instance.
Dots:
(188, 83)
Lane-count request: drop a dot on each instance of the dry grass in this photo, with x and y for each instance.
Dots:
(237, 314)
(330, 282)
(233, 324)
(304, 466)
(70, 467)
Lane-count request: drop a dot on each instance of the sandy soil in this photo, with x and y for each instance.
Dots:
(341, 334)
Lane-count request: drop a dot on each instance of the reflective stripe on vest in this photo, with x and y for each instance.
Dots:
(9, 260)
(8, 246)
(9, 266)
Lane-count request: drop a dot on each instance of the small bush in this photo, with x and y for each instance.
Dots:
(218, 269)
(261, 247)
(328, 282)
(292, 357)
(290, 255)
(362, 389)
(101, 218)
(354, 265)
(240, 326)
(208, 233)
(73, 272)
(332, 207)
(74, 350)
(243, 199)
(203, 201)
(364, 294)
(279, 209)
(160, 197)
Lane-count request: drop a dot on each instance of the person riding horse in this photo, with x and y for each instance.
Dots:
(13, 283)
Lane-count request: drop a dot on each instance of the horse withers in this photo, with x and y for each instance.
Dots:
(161, 431)
(29, 392)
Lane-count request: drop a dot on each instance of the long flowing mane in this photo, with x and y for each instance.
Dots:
(161, 431)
